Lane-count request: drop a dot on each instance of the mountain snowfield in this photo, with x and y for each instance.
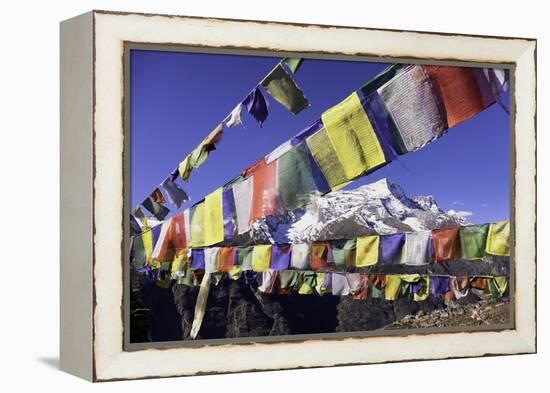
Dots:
(381, 207)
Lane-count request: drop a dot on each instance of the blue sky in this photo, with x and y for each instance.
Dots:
(177, 98)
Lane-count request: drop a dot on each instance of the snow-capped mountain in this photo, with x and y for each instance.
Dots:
(381, 207)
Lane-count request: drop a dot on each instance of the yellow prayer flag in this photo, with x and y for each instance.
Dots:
(352, 136)
(498, 238)
(213, 218)
(393, 283)
(147, 238)
(261, 257)
(319, 281)
(367, 251)
(184, 168)
(324, 155)
(197, 226)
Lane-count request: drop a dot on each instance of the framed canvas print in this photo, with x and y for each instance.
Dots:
(245, 195)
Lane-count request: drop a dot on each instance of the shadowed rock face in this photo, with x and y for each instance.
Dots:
(235, 309)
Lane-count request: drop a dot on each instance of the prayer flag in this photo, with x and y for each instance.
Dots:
(413, 105)
(390, 248)
(197, 225)
(472, 241)
(211, 259)
(446, 244)
(319, 256)
(280, 256)
(234, 118)
(135, 227)
(340, 285)
(244, 257)
(393, 284)
(227, 257)
(261, 257)
(343, 252)
(295, 181)
(229, 215)
(213, 218)
(421, 289)
(458, 90)
(197, 259)
(418, 248)
(362, 293)
(367, 251)
(264, 196)
(242, 192)
(352, 137)
(498, 238)
(175, 194)
(300, 256)
(138, 254)
(256, 105)
(293, 63)
(326, 158)
(185, 168)
(151, 204)
(440, 285)
(280, 85)
(308, 283)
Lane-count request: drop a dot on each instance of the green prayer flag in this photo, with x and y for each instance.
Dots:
(293, 63)
(289, 278)
(244, 257)
(158, 210)
(139, 256)
(280, 85)
(472, 241)
(343, 252)
(295, 181)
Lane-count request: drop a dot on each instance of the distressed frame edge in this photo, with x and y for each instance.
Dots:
(528, 340)
(76, 58)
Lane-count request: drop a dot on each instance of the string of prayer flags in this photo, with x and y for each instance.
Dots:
(352, 137)
(154, 205)
(497, 238)
(413, 105)
(293, 63)
(280, 85)
(256, 105)
(168, 241)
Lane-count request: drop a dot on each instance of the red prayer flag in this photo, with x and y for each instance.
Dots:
(458, 90)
